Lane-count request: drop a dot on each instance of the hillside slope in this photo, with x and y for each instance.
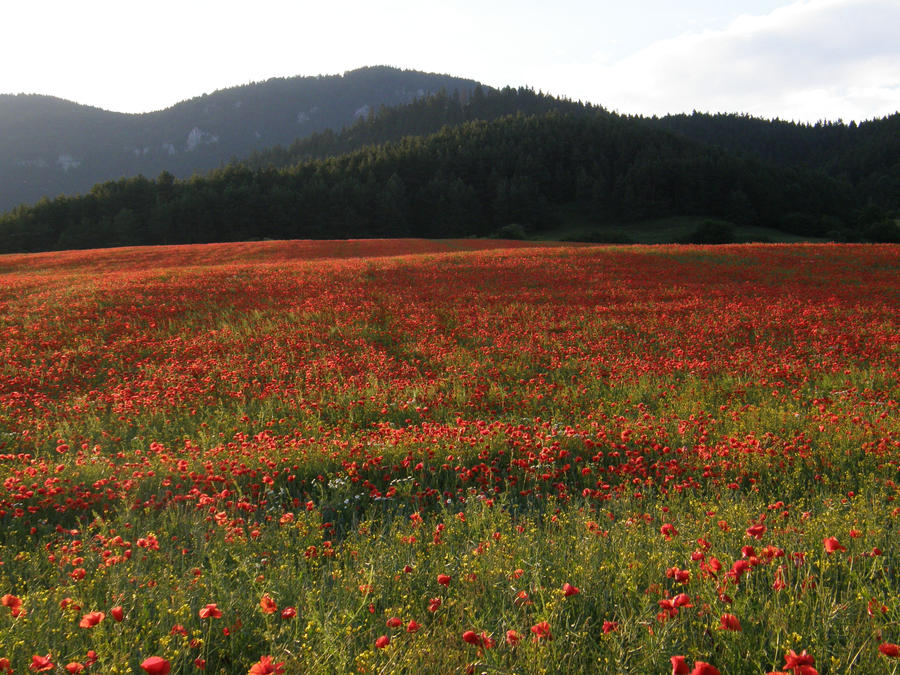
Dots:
(418, 118)
(867, 154)
(470, 179)
(50, 147)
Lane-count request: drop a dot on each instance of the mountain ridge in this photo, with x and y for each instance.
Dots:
(479, 161)
(50, 146)
(476, 178)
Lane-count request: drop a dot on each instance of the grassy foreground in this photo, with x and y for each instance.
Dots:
(387, 457)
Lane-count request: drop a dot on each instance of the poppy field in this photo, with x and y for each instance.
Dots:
(450, 457)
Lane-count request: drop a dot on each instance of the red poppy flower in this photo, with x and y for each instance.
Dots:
(541, 631)
(779, 583)
(41, 664)
(74, 667)
(267, 604)
(265, 666)
(738, 569)
(11, 601)
(443, 579)
(682, 600)
(394, 622)
(800, 664)
(117, 613)
(156, 665)
(729, 622)
(5, 666)
(434, 604)
(512, 638)
(668, 531)
(91, 619)
(832, 545)
(703, 668)
(14, 603)
(413, 626)
(610, 626)
(756, 531)
(471, 637)
(288, 613)
(889, 649)
(669, 610)
(569, 589)
(679, 575)
(679, 666)
(382, 642)
(211, 611)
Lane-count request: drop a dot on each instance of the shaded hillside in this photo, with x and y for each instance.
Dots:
(419, 118)
(50, 147)
(470, 179)
(867, 155)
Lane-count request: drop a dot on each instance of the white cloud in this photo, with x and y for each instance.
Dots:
(810, 60)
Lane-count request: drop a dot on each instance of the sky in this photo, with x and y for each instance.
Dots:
(806, 60)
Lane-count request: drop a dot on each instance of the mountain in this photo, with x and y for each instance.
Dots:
(867, 154)
(473, 178)
(50, 147)
(419, 118)
(824, 144)
(497, 161)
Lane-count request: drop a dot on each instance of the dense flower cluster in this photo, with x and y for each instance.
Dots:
(383, 456)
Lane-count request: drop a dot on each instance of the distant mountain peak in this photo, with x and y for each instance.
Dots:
(50, 146)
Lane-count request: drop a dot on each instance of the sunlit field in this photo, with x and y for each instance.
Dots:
(450, 457)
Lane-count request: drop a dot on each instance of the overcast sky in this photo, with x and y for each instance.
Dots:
(804, 60)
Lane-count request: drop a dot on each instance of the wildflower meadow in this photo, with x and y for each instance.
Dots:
(450, 457)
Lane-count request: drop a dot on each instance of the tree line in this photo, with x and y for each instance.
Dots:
(866, 155)
(471, 177)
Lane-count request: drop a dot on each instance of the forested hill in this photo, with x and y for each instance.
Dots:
(49, 146)
(419, 118)
(469, 179)
(867, 155)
